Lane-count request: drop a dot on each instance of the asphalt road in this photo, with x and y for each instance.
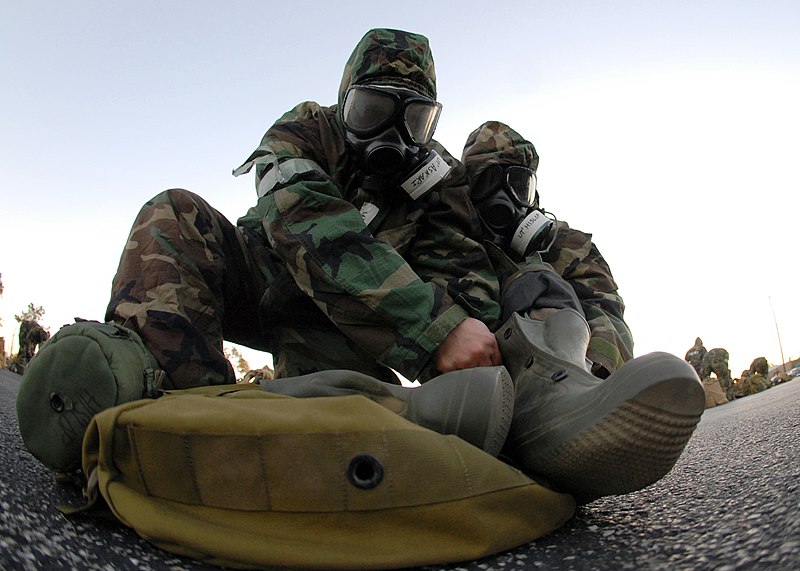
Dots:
(731, 502)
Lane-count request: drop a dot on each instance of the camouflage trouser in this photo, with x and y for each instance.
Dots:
(188, 279)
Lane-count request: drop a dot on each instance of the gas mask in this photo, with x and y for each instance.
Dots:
(507, 202)
(387, 129)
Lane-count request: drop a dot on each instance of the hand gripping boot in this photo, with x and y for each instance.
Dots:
(588, 436)
(473, 404)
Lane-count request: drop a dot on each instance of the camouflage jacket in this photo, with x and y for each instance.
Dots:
(392, 274)
(575, 258)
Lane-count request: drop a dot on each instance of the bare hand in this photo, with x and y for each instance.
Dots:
(470, 344)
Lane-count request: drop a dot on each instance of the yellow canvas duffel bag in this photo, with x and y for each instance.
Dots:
(240, 477)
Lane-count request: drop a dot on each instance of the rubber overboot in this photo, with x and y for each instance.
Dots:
(473, 404)
(588, 436)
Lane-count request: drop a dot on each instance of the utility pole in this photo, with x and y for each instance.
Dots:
(778, 331)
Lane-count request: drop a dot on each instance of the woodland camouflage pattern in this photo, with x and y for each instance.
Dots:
(576, 258)
(391, 57)
(303, 276)
(31, 335)
(573, 256)
(495, 143)
(187, 277)
(694, 356)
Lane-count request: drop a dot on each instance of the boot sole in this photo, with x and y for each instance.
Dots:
(627, 438)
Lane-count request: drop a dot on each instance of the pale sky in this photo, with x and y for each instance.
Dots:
(669, 130)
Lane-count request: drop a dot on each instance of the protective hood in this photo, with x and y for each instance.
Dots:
(391, 57)
(495, 143)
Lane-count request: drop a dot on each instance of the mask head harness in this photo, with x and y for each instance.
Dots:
(507, 202)
(387, 129)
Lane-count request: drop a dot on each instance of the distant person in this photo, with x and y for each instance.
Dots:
(694, 356)
(716, 361)
(31, 336)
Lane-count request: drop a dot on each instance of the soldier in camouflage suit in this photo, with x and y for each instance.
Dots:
(31, 335)
(694, 356)
(753, 380)
(330, 269)
(716, 361)
(572, 258)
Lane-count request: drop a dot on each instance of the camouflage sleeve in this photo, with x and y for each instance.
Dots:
(576, 258)
(362, 284)
(447, 250)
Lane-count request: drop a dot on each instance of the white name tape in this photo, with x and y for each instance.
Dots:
(368, 212)
(426, 176)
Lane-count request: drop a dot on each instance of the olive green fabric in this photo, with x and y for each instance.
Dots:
(84, 368)
(391, 57)
(495, 143)
(261, 480)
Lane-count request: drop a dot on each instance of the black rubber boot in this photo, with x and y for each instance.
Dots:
(588, 436)
(473, 404)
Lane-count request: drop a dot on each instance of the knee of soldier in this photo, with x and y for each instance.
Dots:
(182, 201)
(175, 197)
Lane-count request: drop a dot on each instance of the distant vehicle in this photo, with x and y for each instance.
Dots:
(795, 372)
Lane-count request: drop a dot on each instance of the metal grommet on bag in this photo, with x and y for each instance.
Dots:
(365, 471)
(57, 402)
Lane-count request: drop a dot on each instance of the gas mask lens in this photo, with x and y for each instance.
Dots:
(420, 118)
(522, 181)
(368, 110)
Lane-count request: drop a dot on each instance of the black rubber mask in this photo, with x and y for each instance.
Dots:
(387, 128)
(504, 197)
